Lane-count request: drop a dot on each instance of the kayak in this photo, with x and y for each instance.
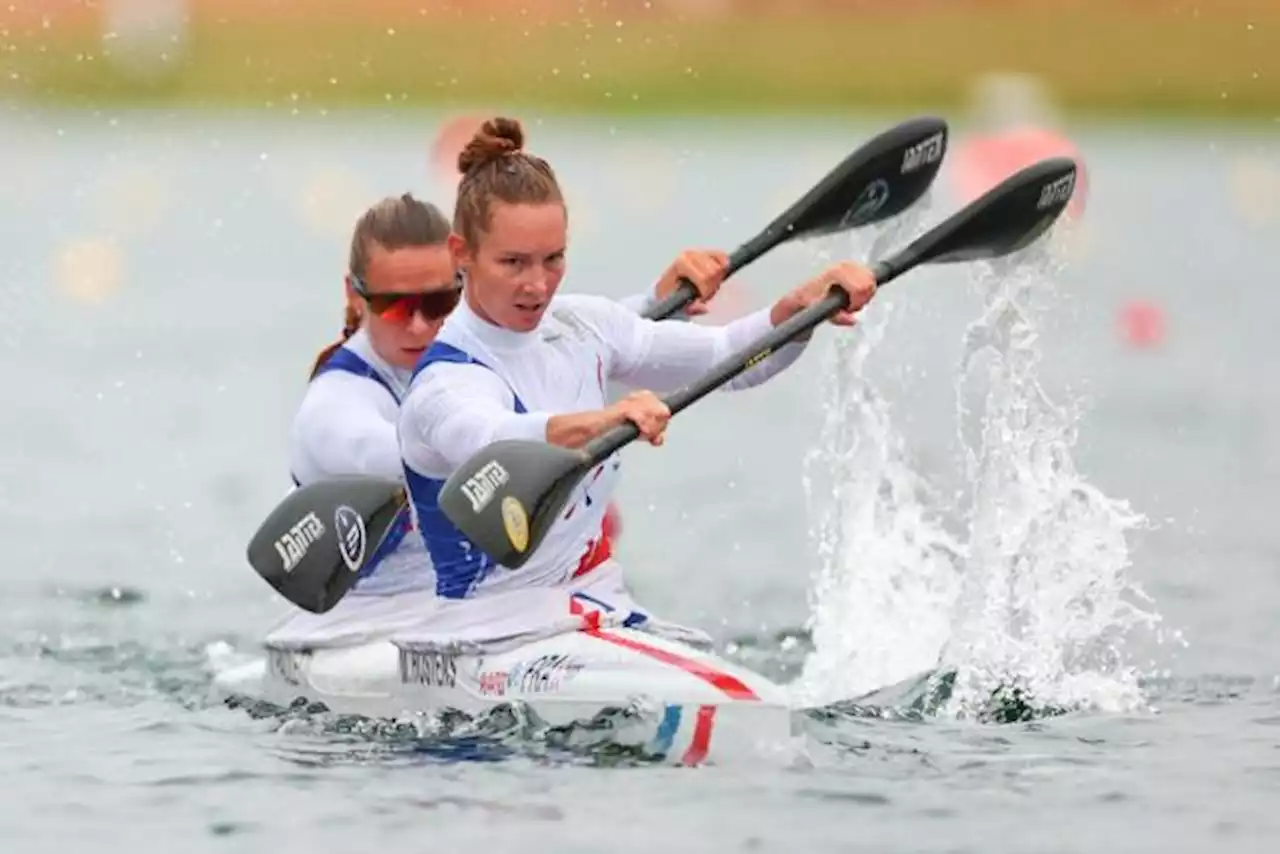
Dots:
(683, 704)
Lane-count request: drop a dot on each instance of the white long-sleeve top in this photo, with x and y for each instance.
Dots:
(346, 424)
(480, 383)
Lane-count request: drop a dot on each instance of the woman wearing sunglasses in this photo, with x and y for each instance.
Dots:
(400, 286)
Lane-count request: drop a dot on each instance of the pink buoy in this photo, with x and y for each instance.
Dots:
(1142, 324)
(450, 139)
(982, 161)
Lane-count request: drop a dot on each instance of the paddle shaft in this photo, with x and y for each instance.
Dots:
(799, 324)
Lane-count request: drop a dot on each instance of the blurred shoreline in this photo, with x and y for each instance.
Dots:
(1134, 58)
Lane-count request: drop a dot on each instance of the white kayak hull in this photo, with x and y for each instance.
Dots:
(695, 705)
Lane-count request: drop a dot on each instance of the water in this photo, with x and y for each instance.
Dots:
(985, 474)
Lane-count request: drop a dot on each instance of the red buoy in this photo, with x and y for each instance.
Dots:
(449, 141)
(985, 160)
(1142, 323)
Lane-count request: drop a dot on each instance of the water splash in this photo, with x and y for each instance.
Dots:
(1044, 603)
(887, 566)
(1031, 597)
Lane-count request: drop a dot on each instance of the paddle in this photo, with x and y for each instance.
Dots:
(313, 545)
(505, 498)
(881, 179)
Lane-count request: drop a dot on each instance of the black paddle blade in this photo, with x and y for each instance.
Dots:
(319, 537)
(881, 179)
(506, 496)
(1009, 217)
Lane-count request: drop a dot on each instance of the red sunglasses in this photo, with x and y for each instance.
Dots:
(399, 308)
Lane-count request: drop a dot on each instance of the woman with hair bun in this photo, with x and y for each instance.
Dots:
(400, 286)
(517, 360)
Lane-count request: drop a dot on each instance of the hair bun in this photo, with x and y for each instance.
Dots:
(496, 138)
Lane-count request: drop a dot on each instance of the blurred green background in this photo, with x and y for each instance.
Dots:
(1156, 57)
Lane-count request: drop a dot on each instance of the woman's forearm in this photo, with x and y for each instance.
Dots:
(575, 429)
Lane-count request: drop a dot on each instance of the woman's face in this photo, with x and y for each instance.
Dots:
(516, 266)
(403, 297)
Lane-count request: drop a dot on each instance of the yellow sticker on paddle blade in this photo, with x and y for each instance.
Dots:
(516, 523)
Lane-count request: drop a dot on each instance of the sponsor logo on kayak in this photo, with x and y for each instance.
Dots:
(542, 675)
(516, 523)
(293, 546)
(923, 153)
(352, 539)
(288, 665)
(493, 683)
(1057, 192)
(484, 484)
(434, 669)
(869, 202)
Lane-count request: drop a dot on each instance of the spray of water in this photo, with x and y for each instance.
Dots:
(880, 606)
(887, 576)
(1032, 594)
(1044, 603)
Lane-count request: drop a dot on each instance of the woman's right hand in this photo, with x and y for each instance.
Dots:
(854, 279)
(647, 412)
(704, 268)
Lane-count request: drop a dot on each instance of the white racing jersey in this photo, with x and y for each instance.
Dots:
(480, 383)
(346, 424)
